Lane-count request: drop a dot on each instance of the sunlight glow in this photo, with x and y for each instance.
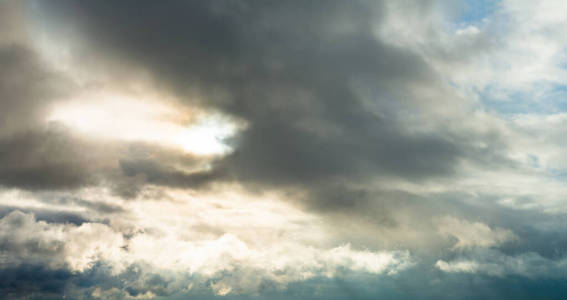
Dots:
(123, 118)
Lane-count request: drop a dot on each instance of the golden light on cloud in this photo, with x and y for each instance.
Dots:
(130, 119)
(203, 233)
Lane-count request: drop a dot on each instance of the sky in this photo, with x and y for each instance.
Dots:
(263, 149)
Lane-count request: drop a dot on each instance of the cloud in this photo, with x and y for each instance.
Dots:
(56, 246)
(77, 249)
(335, 107)
(529, 265)
(473, 234)
(338, 116)
(461, 266)
(247, 148)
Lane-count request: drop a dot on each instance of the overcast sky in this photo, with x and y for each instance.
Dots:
(395, 149)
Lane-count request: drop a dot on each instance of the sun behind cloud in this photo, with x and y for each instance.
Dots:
(127, 118)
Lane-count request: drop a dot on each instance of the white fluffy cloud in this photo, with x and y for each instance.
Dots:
(181, 239)
(28, 241)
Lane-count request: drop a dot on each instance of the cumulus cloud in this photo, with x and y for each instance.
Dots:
(79, 248)
(27, 241)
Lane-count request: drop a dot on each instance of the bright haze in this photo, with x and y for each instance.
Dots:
(267, 149)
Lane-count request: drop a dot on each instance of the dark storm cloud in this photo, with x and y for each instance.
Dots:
(56, 159)
(43, 160)
(31, 155)
(324, 98)
(142, 163)
(155, 172)
(38, 155)
(27, 88)
(329, 106)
